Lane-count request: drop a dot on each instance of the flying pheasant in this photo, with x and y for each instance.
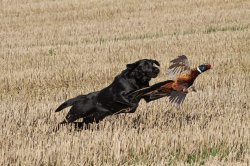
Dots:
(177, 88)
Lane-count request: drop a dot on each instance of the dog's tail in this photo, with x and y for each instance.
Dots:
(70, 102)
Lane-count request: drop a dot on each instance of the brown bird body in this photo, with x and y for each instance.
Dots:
(184, 81)
(177, 88)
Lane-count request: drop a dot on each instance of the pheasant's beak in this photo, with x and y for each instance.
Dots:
(208, 66)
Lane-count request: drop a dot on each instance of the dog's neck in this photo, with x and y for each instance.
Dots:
(136, 83)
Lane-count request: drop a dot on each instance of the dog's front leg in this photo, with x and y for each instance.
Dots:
(133, 109)
(122, 98)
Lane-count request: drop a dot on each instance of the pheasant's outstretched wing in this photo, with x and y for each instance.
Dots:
(177, 97)
(178, 66)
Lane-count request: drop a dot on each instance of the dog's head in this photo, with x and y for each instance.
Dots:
(143, 70)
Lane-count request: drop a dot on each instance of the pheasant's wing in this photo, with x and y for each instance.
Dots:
(178, 66)
(177, 97)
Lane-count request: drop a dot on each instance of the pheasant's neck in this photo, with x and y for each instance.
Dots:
(194, 73)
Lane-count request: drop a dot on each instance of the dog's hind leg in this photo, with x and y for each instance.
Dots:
(97, 114)
(79, 110)
(70, 118)
(95, 117)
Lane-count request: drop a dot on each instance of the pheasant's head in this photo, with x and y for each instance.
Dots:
(204, 67)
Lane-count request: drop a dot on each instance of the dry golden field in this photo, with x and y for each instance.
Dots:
(53, 50)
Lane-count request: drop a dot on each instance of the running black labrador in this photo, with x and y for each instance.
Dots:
(95, 106)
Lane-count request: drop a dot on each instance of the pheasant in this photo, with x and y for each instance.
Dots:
(177, 88)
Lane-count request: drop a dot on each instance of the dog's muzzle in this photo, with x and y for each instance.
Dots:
(155, 72)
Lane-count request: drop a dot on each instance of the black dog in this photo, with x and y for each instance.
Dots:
(95, 106)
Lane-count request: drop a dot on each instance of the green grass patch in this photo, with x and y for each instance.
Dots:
(202, 156)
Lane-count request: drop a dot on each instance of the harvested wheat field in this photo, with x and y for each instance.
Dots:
(51, 51)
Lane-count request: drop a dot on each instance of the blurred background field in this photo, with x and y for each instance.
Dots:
(54, 50)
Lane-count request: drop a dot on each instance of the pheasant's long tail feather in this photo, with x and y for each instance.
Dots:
(149, 92)
(154, 96)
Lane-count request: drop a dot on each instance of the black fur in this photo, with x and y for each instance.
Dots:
(95, 106)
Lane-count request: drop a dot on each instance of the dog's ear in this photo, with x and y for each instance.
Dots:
(156, 62)
(131, 66)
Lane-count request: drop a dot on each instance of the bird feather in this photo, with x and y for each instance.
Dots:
(177, 97)
(178, 66)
